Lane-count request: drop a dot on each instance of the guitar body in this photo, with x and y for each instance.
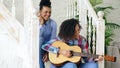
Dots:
(59, 59)
(62, 59)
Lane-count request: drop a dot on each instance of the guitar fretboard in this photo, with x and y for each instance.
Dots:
(85, 55)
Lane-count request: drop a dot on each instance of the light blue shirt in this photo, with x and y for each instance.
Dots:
(47, 31)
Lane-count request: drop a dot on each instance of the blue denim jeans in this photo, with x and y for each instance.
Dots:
(66, 65)
(89, 65)
(41, 53)
(72, 65)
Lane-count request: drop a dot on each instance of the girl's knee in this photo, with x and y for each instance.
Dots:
(69, 65)
(89, 65)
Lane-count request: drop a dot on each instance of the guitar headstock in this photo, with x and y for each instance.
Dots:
(110, 58)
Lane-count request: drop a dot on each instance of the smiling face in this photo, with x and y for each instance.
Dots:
(45, 12)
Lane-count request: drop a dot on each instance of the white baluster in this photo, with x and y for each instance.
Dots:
(70, 9)
(13, 8)
(100, 15)
(35, 39)
(67, 9)
(89, 33)
(100, 37)
(77, 8)
(89, 30)
(93, 40)
(83, 17)
(74, 7)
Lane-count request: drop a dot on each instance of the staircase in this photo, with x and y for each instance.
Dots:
(17, 40)
(19, 43)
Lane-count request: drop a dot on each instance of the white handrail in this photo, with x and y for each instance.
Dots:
(90, 9)
(98, 22)
(88, 15)
(12, 25)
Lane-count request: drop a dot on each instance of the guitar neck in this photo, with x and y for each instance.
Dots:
(85, 55)
(108, 58)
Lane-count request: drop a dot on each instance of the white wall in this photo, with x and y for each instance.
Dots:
(114, 16)
(59, 11)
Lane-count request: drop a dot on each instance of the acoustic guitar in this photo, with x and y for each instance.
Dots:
(59, 59)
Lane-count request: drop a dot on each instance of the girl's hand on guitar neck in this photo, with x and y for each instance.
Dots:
(100, 58)
(66, 53)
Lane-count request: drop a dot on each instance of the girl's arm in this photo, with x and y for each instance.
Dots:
(49, 48)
